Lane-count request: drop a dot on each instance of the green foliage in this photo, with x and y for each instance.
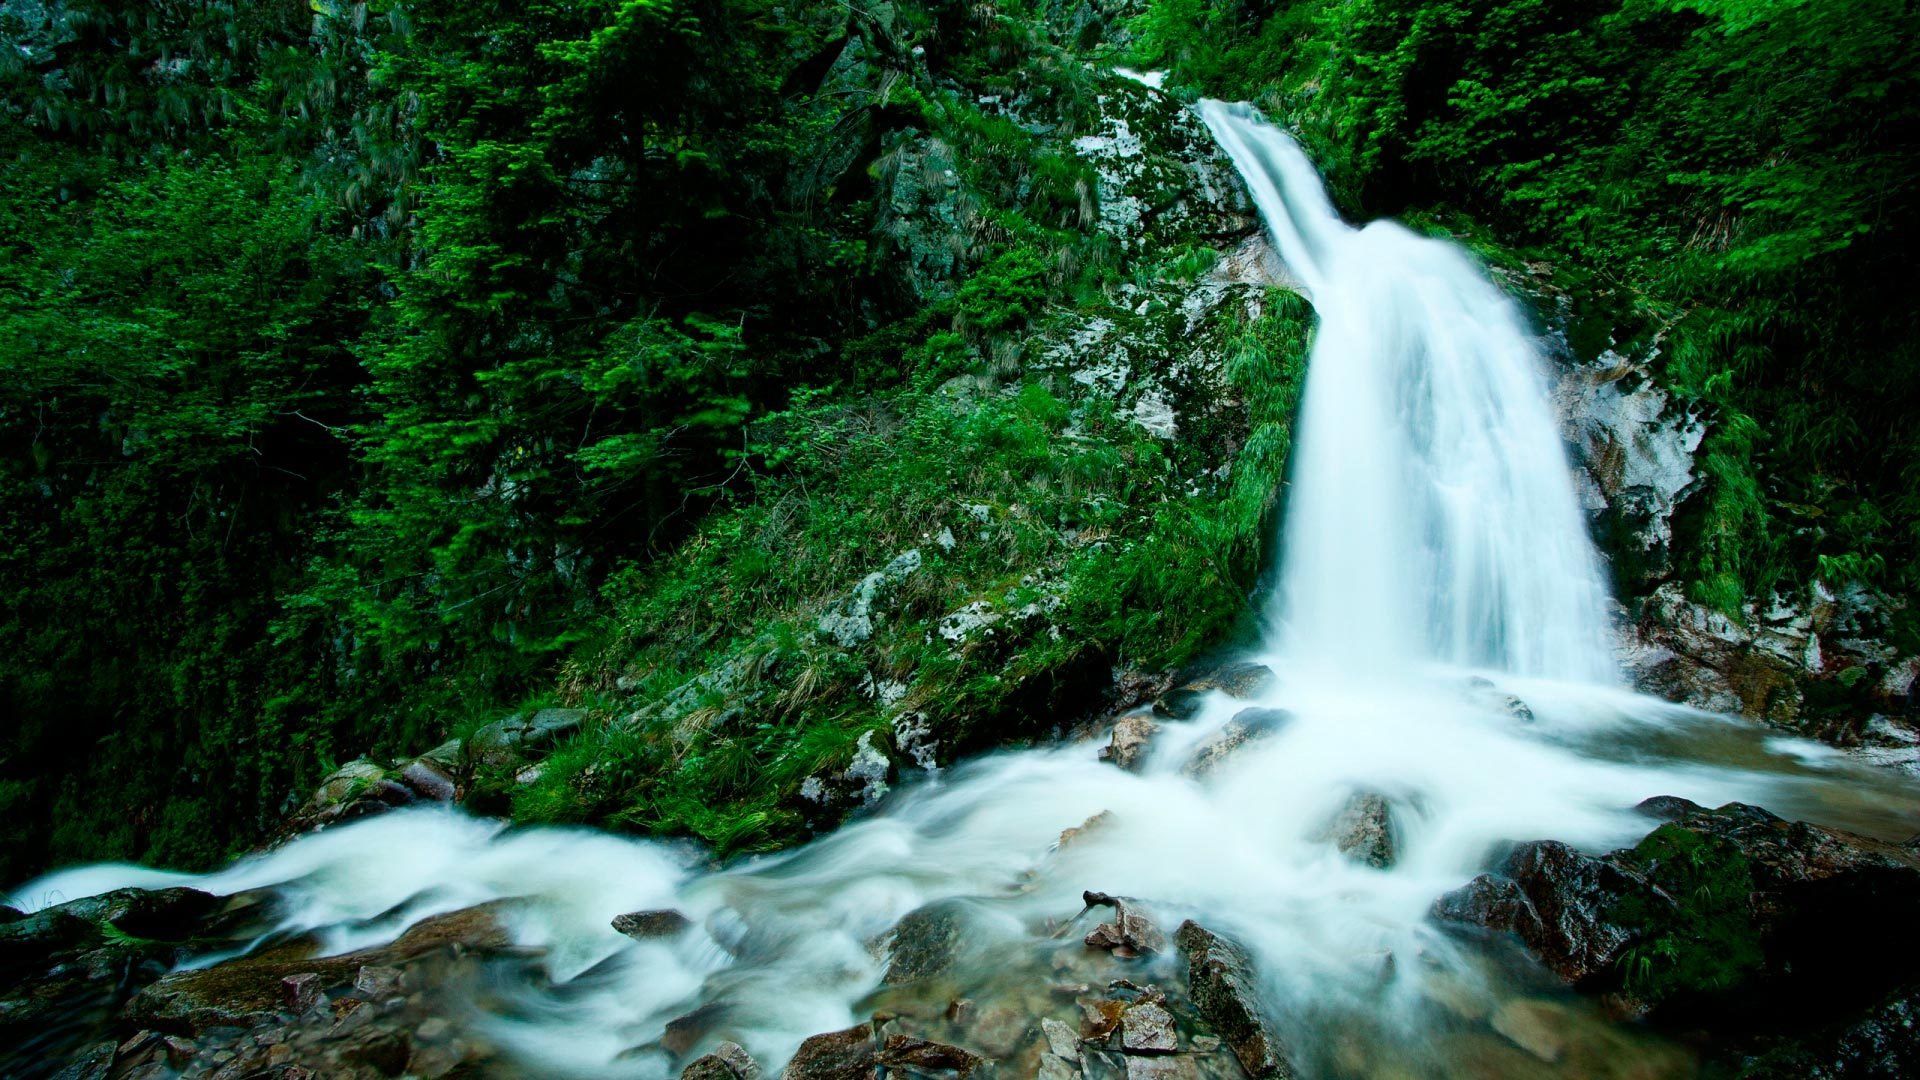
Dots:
(1704, 942)
(1740, 171)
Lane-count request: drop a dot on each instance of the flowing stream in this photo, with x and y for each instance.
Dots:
(1435, 566)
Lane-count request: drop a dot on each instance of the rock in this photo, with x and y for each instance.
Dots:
(1363, 830)
(1178, 1067)
(1132, 735)
(1561, 904)
(643, 925)
(1057, 1068)
(1129, 934)
(8, 914)
(504, 743)
(925, 942)
(428, 780)
(924, 1058)
(92, 1064)
(728, 1061)
(1729, 913)
(449, 756)
(1062, 1040)
(838, 1055)
(1221, 983)
(1538, 1027)
(1069, 836)
(684, 1032)
(346, 783)
(376, 982)
(303, 991)
(1247, 725)
(848, 621)
(1667, 807)
(1482, 693)
(1881, 1041)
(1147, 1028)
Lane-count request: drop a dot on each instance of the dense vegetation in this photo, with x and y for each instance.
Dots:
(369, 368)
(1725, 185)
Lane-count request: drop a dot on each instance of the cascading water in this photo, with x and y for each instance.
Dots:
(1432, 535)
(1432, 515)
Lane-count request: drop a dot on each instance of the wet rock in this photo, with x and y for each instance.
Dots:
(1560, 902)
(93, 1064)
(1881, 1041)
(1247, 725)
(1177, 1067)
(1667, 807)
(1129, 934)
(1241, 679)
(837, 1055)
(1069, 836)
(1062, 1040)
(303, 991)
(1538, 1027)
(645, 925)
(428, 780)
(686, 1031)
(728, 1061)
(346, 783)
(1222, 985)
(1147, 1028)
(1482, 693)
(925, 943)
(1728, 913)
(923, 1058)
(1363, 830)
(449, 756)
(1132, 736)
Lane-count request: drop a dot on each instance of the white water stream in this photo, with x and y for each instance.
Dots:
(1432, 535)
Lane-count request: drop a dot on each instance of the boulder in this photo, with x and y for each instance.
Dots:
(1241, 679)
(836, 1055)
(1363, 830)
(1247, 725)
(644, 925)
(1728, 914)
(1132, 736)
(1221, 983)
(925, 943)
(728, 1061)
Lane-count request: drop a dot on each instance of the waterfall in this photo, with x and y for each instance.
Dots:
(1432, 515)
(1435, 570)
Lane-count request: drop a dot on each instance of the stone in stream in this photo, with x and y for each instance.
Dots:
(644, 925)
(1172, 1067)
(1132, 735)
(1129, 934)
(728, 1061)
(925, 942)
(1147, 1028)
(1242, 679)
(1247, 725)
(921, 1057)
(1731, 913)
(1221, 983)
(1538, 1027)
(1363, 830)
(836, 1055)
(1667, 807)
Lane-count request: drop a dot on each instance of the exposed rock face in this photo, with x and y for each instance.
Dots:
(1637, 449)
(1221, 982)
(1132, 736)
(837, 1055)
(642, 925)
(1363, 829)
(1246, 726)
(849, 620)
(1723, 911)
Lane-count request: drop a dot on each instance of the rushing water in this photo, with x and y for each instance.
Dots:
(1432, 539)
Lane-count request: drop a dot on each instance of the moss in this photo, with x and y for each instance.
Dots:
(1704, 943)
